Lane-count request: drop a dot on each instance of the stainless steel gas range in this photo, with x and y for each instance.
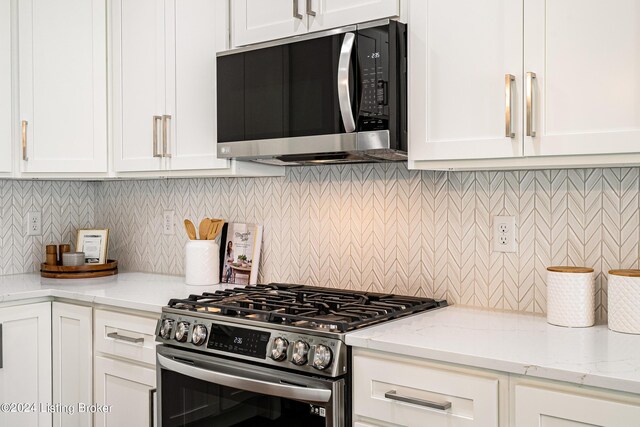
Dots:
(265, 355)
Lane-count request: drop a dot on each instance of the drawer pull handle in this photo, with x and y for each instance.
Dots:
(420, 402)
(117, 336)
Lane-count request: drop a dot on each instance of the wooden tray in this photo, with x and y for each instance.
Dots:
(79, 272)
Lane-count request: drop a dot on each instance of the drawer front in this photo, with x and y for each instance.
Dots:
(125, 335)
(411, 394)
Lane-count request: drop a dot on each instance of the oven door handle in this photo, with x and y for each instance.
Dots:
(257, 386)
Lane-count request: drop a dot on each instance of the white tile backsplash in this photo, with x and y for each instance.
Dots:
(373, 227)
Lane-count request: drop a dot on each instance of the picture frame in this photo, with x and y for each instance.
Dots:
(94, 243)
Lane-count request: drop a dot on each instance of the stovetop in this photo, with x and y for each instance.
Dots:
(293, 327)
(308, 307)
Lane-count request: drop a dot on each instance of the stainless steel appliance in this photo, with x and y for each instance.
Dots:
(265, 355)
(338, 96)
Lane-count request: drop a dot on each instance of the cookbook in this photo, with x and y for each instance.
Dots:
(240, 254)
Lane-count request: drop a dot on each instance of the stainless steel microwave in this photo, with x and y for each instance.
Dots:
(338, 96)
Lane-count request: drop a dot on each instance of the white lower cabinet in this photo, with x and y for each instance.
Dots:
(25, 364)
(126, 388)
(408, 392)
(72, 363)
(124, 368)
(538, 407)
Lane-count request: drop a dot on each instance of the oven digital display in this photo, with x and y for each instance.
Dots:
(246, 342)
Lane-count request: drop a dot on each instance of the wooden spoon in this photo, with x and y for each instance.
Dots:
(191, 229)
(203, 228)
(216, 228)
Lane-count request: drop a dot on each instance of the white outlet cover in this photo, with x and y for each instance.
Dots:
(34, 224)
(504, 234)
(168, 223)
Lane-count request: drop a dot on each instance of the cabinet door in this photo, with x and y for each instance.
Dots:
(537, 407)
(5, 86)
(72, 362)
(63, 102)
(192, 40)
(257, 21)
(457, 79)
(25, 373)
(338, 13)
(586, 95)
(126, 388)
(138, 76)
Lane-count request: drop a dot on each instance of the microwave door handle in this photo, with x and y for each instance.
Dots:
(257, 386)
(344, 65)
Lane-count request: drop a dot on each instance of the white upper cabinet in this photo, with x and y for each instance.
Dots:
(163, 73)
(325, 14)
(5, 86)
(586, 93)
(464, 79)
(63, 103)
(138, 77)
(255, 21)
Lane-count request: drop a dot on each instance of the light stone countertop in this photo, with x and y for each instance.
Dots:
(511, 342)
(135, 291)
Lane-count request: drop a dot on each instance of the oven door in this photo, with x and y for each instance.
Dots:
(204, 390)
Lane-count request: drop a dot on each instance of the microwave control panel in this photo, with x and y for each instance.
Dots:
(373, 58)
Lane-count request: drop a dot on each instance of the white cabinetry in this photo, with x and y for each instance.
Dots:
(63, 103)
(5, 87)
(586, 56)
(411, 393)
(25, 367)
(535, 407)
(574, 94)
(72, 362)
(458, 68)
(255, 21)
(163, 73)
(124, 367)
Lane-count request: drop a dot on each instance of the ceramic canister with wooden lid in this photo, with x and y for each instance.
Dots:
(624, 301)
(570, 296)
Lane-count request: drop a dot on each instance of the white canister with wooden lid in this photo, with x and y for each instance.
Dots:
(570, 296)
(624, 301)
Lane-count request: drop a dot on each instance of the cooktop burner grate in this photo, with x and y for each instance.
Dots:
(306, 306)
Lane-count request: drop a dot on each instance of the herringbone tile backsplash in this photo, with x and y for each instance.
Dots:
(384, 228)
(65, 207)
(373, 227)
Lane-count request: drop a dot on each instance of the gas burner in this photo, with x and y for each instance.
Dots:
(308, 307)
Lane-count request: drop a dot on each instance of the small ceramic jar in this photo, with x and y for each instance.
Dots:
(570, 296)
(624, 301)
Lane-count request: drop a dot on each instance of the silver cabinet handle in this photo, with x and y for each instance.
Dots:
(165, 136)
(24, 140)
(151, 405)
(310, 10)
(0, 345)
(117, 336)
(508, 111)
(156, 151)
(344, 64)
(296, 12)
(420, 402)
(531, 129)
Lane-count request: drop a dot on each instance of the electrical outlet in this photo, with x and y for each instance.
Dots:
(168, 227)
(504, 234)
(34, 224)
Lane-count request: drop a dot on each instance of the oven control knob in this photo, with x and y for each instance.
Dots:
(279, 349)
(321, 357)
(165, 328)
(300, 350)
(199, 334)
(181, 331)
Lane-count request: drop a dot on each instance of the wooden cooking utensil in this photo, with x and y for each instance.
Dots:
(216, 228)
(203, 228)
(191, 229)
